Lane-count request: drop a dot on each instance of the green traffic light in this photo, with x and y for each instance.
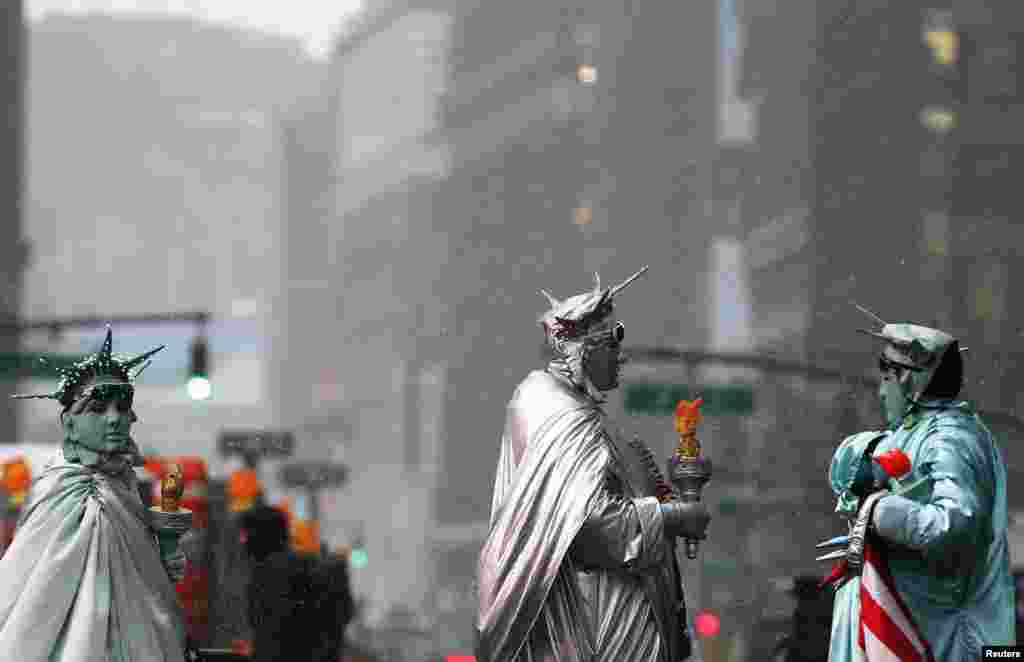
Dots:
(359, 558)
(199, 388)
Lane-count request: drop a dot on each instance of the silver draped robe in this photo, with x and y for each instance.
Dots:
(576, 566)
(83, 580)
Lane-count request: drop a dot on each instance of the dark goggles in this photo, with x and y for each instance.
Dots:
(887, 365)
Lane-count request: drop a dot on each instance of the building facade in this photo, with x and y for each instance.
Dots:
(482, 153)
(15, 248)
(152, 187)
(880, 175)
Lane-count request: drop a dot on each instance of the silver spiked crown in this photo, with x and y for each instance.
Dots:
(572, 318)
(917, 347)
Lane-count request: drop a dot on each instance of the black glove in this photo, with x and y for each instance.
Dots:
(685, 519)
(192, 653)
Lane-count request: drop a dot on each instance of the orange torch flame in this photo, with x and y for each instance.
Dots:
(687, 417)
(172, 488)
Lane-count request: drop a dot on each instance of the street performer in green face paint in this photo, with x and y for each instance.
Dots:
(84, 580)
(925, 572)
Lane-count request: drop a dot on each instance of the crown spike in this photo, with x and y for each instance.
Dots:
(613, 292)
(869, 313)
(138, 372)
(108, 346)
(597, 282)
(141, 357)
(898, 342)
(552, 301)
(29, 396)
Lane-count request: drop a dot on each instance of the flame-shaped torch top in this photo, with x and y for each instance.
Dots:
(172, 487)
(687, 417)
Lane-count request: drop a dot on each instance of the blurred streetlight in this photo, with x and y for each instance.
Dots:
(708, 625)
(199, 388)
(586, 74)
(939, 120)
(198, 374)
(359, 558)
(583, 216)
(940, 35)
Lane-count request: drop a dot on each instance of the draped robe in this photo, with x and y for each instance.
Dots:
(576, 566)
(948, 555)
(83, 580)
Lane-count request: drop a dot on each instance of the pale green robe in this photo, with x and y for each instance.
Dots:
(950, 559)
(83, 580)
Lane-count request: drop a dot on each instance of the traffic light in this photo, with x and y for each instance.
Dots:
(707, 624)
(940, 35)
(198, 371)
(359, 558)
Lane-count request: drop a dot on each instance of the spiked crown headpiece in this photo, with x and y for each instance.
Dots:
(103, 363)
(576, 316)
(917, 348)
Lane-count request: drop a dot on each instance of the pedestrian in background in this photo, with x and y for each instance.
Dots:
(299, 605)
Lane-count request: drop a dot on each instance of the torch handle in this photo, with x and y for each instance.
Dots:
(688, 476)
(692, 544)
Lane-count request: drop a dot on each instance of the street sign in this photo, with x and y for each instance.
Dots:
(256, 442)
(721, 567)
(661, 399)
(314, 474)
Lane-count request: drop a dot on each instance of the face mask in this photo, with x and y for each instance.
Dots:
(602, 359)
(103, 421)
(894, 401)
(601, 365)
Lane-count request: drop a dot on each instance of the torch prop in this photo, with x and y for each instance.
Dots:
(688, 470)
(169, 519)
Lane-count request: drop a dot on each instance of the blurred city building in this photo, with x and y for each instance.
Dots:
(362, 257)
(153, 185)
(13, 247)
(481, 153)
(583, 140)
(880, 173)
(370, 240)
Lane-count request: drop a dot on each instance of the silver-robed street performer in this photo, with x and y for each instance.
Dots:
(580, 563)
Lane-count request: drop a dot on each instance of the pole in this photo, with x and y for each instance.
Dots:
(313, 493)
(198, 317)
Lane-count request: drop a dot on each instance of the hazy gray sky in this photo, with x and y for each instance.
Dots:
(312, 21)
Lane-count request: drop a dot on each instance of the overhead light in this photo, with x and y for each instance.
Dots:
(944, 45)
(586, 74)
(940, 35)
(939, 120)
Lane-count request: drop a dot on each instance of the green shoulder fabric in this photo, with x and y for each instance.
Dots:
(848, 463)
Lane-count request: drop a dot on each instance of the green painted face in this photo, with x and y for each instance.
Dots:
(894, 389)
(101, 418)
